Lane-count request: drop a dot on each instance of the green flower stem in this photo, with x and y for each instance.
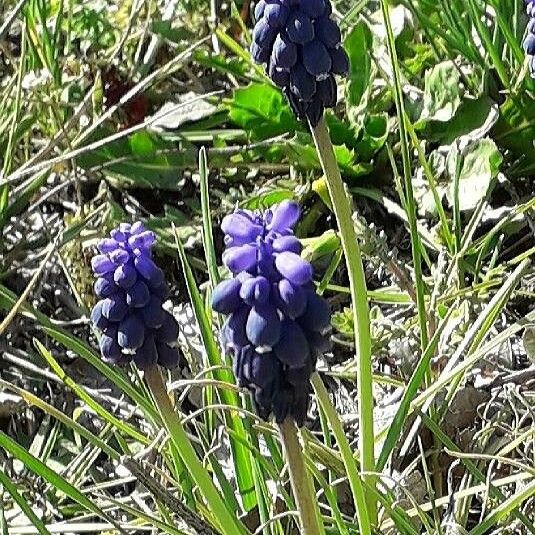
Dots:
(303, 491)
(361, 315)
(227, 523)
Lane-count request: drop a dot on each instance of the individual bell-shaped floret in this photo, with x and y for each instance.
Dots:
(302, 83)
(167, 333)
(97, 317)
(168, 356)
(293, 299)
(147, 354)
(234, 334)
(294, 268)
(299, 29)
(131, 332)
(226, 296)
(328, 32)
(284, 55)
(241, 227)
(284, 217)
(313, 8)
(115, 308)
(263, 33)
(240, 258)
(292, 350)
(105, 286)
(125, 276)
(109, 347)
(255, 291)
(287, 243)
(138, 295)
(339, 61)
(317, 316)
(529, 44)
(316, 58)
(263, 327)
(152, 313)
(276, 14)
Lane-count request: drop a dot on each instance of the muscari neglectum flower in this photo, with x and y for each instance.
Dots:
(277, 325)
(529, 41)
(301, 45)
(132, 289)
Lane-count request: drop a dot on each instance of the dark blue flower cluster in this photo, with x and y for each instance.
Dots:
(132, 289)
(529, 41)
(277, 325)
(301, 46)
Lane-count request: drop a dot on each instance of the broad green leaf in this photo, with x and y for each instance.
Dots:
(173, 220)
(358, 45)
(261, 110)
(142, 144)
(167, 30)
(442, 94)
(480, 164)
(374, 135)
(267, 199)
(515, 129)
(473, 119)
(141, 160)
(303, 155)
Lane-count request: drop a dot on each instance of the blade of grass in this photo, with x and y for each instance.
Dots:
(240, 455)
(416, 243)
(417, 378)
(357, 488)
(207, 231)
(39, 468)
(86, 398)
(228, 523)
(25, 507)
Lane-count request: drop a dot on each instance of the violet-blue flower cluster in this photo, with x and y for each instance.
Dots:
(277, 325)
(132, 289)
(529, 41)
(301, 45)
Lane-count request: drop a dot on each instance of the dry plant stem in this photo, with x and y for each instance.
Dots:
(302, 488)
(227, 523)
(361, 315)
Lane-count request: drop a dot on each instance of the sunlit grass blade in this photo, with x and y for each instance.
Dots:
(52, 477)
(240, 455)
(22, 503)
(126, 428)
(416, 380)
(227, 520)
(350, 465)
(31, 399)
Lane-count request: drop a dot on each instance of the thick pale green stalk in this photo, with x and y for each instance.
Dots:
(361, 315)
(303, 491)
(228, 524)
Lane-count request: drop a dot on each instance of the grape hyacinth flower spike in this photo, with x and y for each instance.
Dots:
(132, 288)
(529, 41)
(277, 325)
(300, 44)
